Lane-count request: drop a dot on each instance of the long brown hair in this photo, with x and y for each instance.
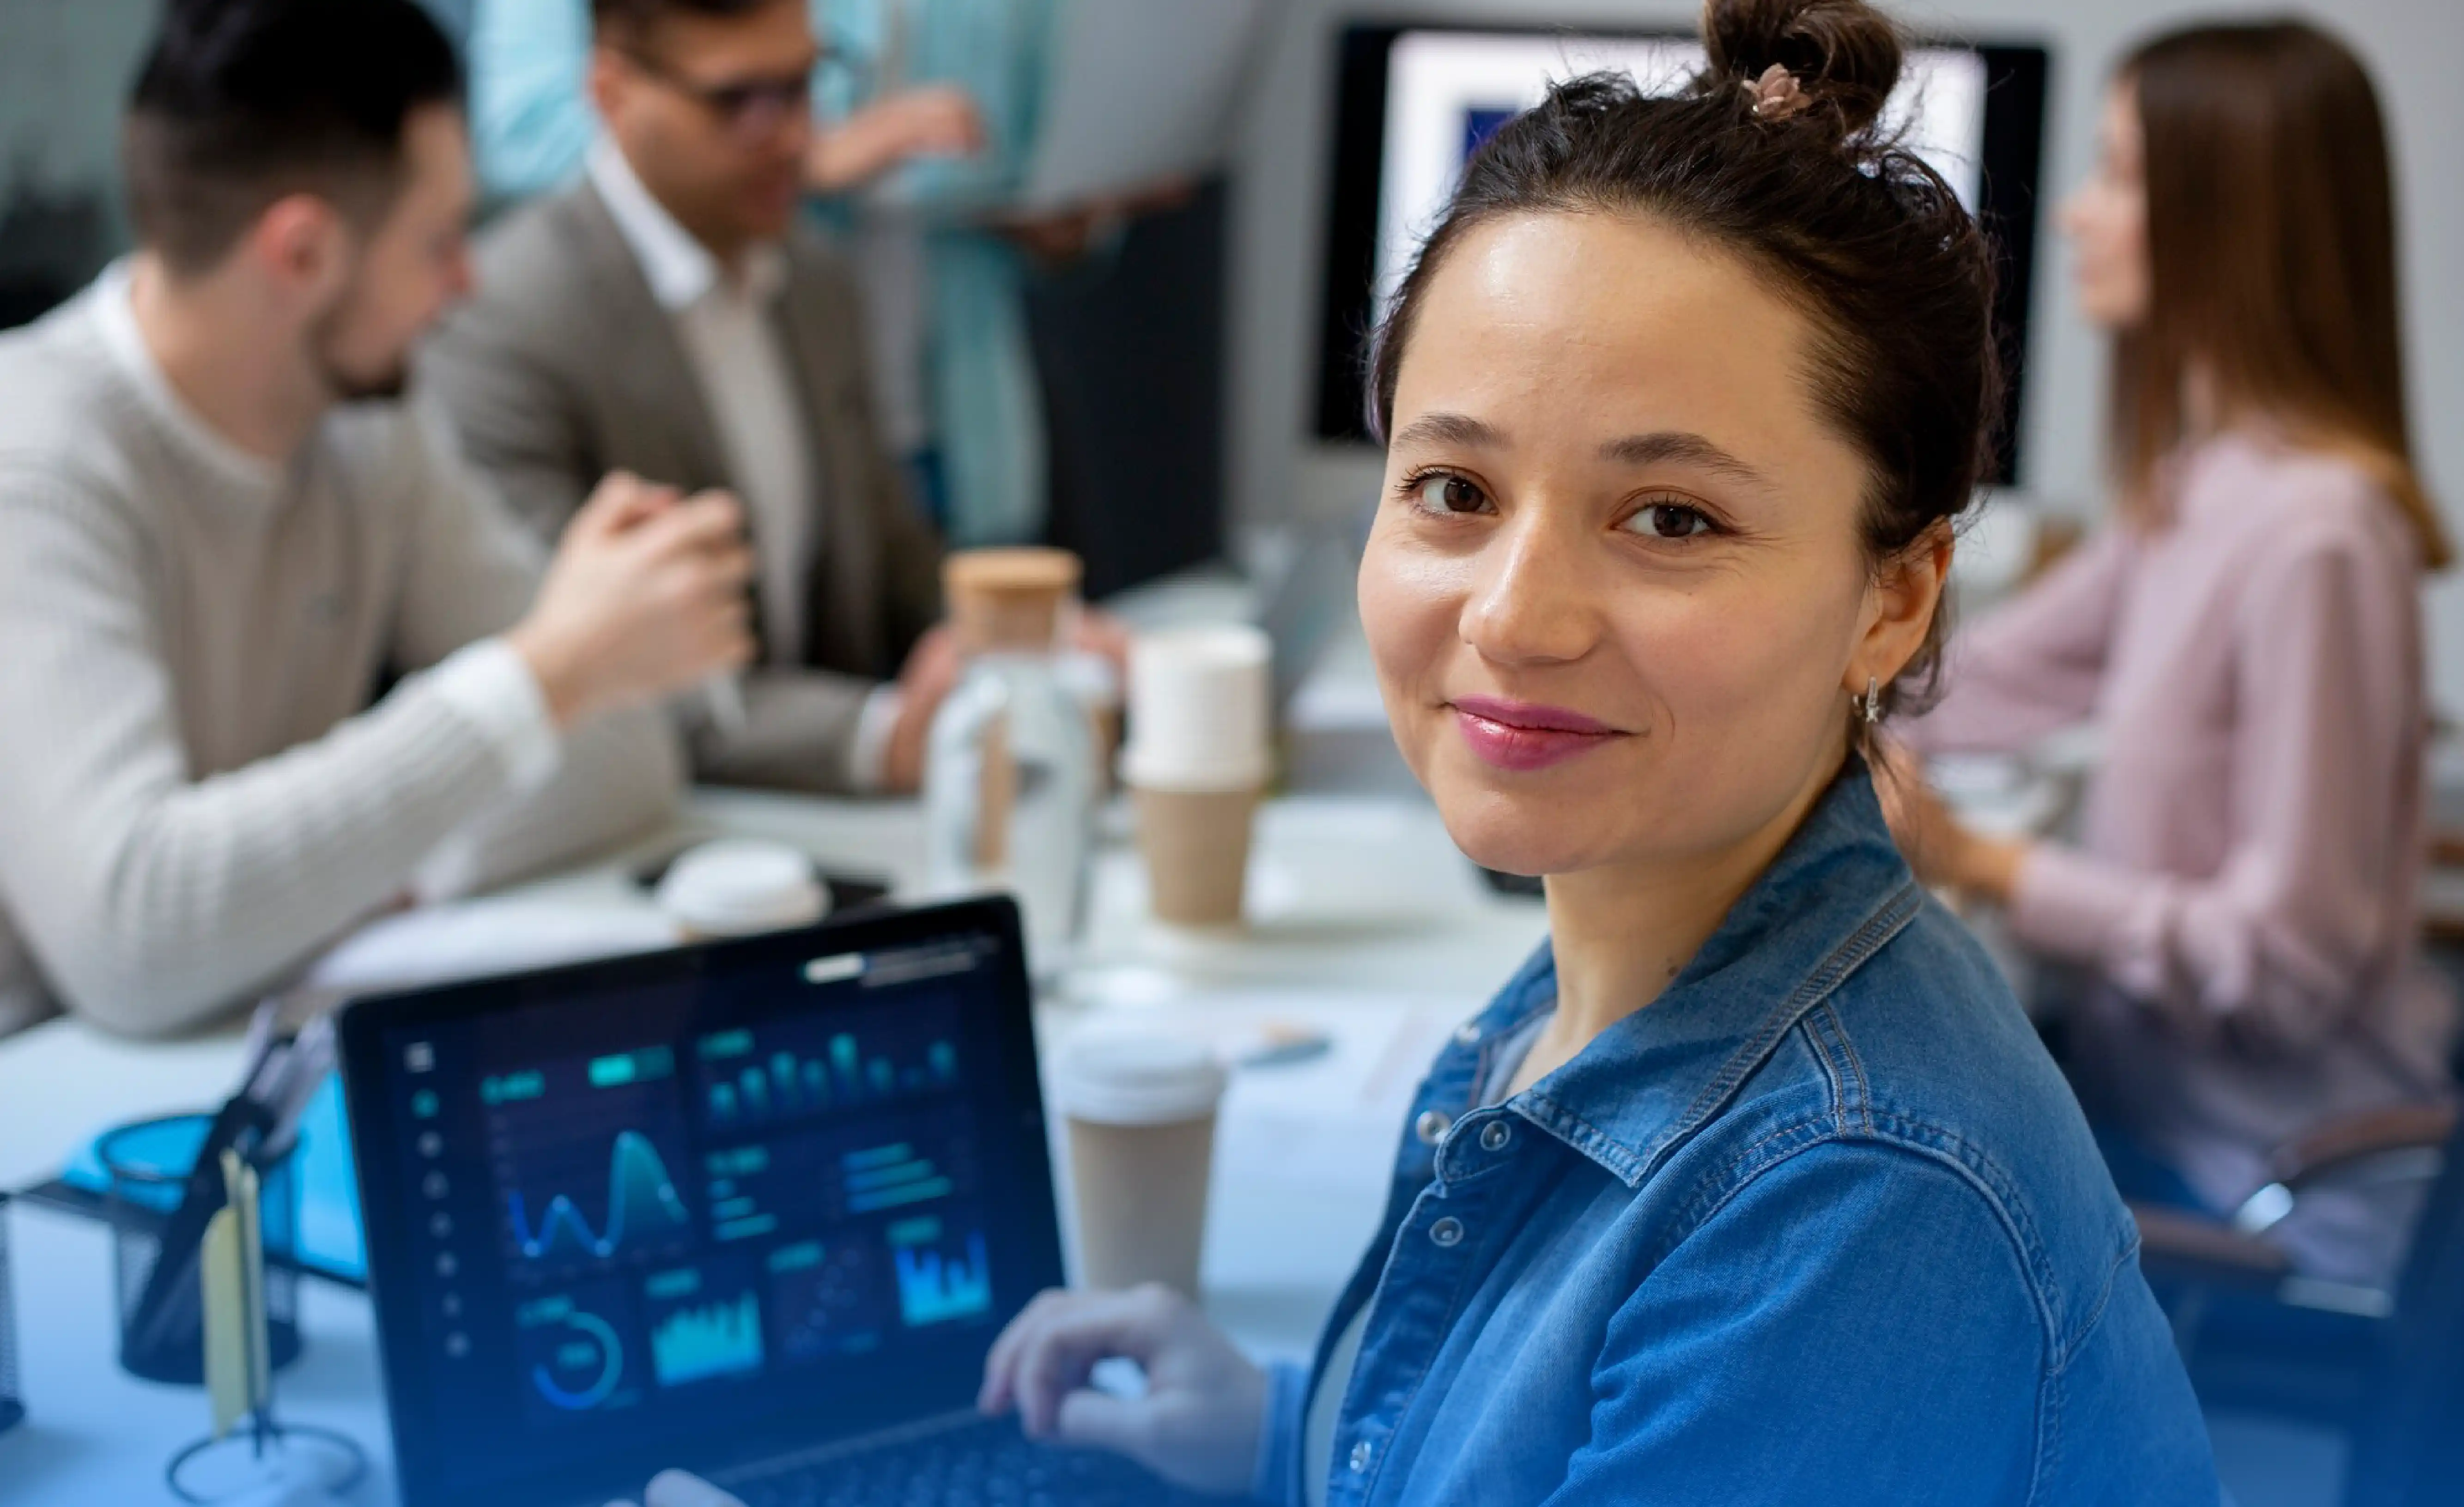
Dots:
(2271, 238)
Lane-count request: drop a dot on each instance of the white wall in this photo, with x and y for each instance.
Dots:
(2415, 47)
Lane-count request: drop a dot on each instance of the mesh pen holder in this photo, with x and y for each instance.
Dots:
(147, 1165)
(12, 1400)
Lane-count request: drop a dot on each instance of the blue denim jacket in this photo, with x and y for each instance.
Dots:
(1824, 1224)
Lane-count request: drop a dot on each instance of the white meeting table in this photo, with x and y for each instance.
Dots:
(1366, 923)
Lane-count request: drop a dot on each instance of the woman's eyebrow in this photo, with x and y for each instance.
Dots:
(1451, 429)
(1686, 448)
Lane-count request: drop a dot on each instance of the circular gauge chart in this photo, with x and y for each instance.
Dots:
(574, 1350)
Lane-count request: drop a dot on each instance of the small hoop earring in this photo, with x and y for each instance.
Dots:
(1869, 706)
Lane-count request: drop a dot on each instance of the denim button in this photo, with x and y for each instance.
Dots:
(1360, 1456)
(1432, 1127)
(1447, 1232)
(1495, 1137)
(1467, 1032)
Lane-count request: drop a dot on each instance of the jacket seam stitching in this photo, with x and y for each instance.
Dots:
(1737, 1176)
(1830, 1011)
(1990, 1180)
(2057, 1356)
(1830, 1073)
(2052, 1392)
(1844, 959)
(1888, 921)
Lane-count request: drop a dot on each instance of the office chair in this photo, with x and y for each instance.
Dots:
(2385, 1367)
(2409, 1443)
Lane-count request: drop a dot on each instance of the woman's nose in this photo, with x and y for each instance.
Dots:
(1531, 598)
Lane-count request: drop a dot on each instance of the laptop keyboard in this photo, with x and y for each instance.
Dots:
(981, 1464)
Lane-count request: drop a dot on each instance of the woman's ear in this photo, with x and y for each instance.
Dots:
(1900, 608)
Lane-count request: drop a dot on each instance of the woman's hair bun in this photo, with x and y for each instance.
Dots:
(1844, 54)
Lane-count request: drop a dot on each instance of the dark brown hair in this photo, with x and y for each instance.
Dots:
(1821, 204)
(635, 19)
(2271, 243)
(242, 102)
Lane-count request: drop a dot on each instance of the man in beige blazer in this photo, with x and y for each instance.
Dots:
(667, 317)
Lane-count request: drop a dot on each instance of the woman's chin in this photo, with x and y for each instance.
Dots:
(1512, 838)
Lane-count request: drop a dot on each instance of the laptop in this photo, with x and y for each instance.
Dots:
(756, 1210)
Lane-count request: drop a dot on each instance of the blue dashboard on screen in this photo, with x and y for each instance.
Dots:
(666, 1200)
(754, 1198)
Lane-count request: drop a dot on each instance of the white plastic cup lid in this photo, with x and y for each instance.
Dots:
(1147, 1080)
(741, 885)
(1199, 707)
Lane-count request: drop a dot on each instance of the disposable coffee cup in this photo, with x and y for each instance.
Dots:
(742, 886)
(1197, 764)
(1196, 848)
(1140, 1111)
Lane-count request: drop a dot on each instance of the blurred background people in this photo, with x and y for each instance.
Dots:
(670, 314)
(930, 104)
(2243, 904)
(532, 125)
(221, 530)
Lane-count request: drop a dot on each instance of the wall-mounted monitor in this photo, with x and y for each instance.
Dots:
(1414, 102)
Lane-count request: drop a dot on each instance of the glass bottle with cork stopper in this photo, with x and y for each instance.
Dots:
(1010, 779)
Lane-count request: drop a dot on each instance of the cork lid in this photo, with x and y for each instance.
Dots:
(1008, 599)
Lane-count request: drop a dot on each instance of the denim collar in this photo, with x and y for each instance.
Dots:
(1835, 895)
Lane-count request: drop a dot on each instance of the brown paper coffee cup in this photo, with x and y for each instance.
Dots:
(1141, 1113)
(1196, 847)
(1141, 1201)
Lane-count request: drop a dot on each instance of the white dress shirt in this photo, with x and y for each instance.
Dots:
(726, 322)
(723, 320)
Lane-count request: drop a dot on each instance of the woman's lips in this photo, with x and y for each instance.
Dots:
(1522, 736)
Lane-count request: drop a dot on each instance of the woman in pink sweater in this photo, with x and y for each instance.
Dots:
(2242, 909)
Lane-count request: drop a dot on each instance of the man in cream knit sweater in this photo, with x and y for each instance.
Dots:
(221, 534)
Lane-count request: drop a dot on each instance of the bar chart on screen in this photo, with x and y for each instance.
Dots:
(943, 1276)
(753, 1077)
(704, 1324)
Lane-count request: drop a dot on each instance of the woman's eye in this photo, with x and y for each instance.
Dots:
(1448, 494)
(1670, 520)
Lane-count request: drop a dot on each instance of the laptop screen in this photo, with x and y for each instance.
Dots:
(698, 1207)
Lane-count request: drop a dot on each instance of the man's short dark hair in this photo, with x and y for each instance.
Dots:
(243, 102)
(637, 17)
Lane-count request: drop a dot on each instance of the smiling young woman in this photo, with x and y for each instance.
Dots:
(1754, 1186)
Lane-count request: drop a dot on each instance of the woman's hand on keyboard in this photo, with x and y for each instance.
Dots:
(1206, 1404)
(676, 1489)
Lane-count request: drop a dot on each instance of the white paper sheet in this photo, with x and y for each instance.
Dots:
(1142, 91)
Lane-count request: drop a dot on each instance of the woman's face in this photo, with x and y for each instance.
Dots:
(1617, 591)
(2106, 219)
